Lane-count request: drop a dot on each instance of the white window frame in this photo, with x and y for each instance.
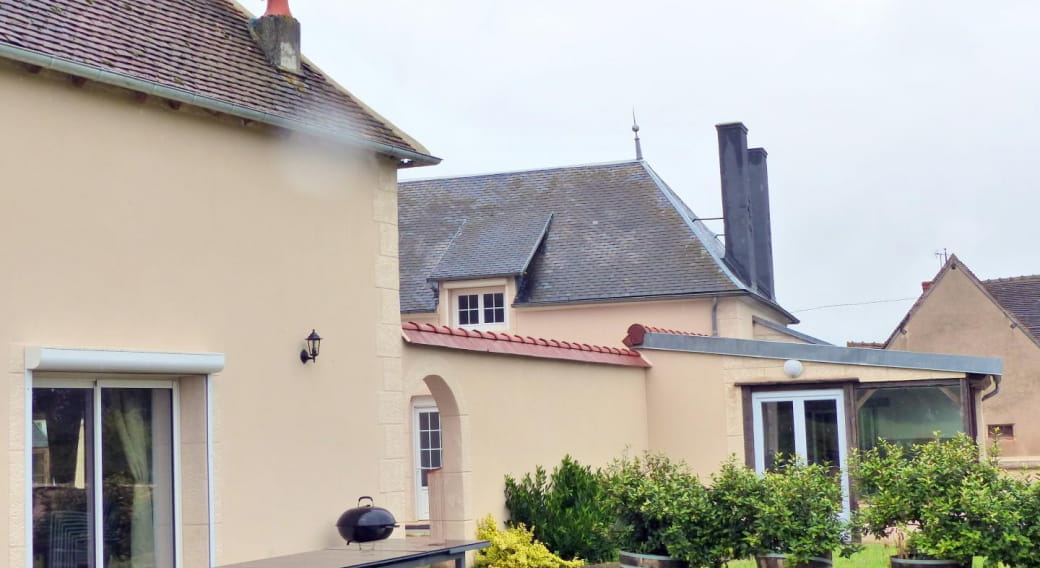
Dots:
(99, 366)
(479, 292)
(799, 398)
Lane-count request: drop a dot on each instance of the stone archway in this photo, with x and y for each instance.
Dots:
(451, 517)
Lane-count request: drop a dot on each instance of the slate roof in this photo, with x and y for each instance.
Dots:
(616, 232)
(201, 47)
(1021, 297)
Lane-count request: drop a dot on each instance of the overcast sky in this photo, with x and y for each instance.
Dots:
(894, 128)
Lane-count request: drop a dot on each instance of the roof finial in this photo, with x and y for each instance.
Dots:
(635, 128)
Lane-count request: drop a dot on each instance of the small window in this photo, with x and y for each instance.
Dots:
(1001, 431)
(482, 309)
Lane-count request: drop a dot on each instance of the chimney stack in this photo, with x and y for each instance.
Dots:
(745, 209)
(278, 34)
(761, 229)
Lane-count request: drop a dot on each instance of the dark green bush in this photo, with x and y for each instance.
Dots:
(567, 510)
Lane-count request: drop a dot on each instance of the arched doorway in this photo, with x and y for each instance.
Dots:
(449, 487)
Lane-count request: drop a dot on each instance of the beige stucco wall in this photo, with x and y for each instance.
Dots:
(607, 323)
(959, 318)
(696, 410)
(137, 227)
(519, 412)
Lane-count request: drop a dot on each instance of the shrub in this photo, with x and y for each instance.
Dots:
(800, 513)
(943, 498)
(660, 508)
(735, 496)
(515, 547)
(567, 510)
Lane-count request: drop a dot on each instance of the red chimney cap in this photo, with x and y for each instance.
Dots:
(926, 285)
(278, 8)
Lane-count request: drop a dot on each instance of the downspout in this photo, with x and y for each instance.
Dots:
(996, 388)
(407, 157)
(714, 316)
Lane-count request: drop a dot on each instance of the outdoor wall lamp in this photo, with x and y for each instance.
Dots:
(313, 344)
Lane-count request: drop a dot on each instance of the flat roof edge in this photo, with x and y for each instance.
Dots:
(823, 353)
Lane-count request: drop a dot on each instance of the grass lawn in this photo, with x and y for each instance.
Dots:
(872, 556)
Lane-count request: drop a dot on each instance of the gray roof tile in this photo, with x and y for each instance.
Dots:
(1021, 297)
(617, 232)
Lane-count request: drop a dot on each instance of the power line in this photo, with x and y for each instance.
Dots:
(854, 304)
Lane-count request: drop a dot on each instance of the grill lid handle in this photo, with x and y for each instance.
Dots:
(371, 501)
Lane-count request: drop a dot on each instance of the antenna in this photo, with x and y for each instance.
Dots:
(635, 128)
(943, 256)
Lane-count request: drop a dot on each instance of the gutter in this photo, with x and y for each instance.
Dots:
(408, 158)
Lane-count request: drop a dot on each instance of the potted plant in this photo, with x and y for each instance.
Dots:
(942, 502)
(659, 507)
(799, 522)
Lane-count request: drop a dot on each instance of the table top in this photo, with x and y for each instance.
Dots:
(390, 553)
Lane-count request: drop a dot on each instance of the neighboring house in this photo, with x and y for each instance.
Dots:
(184, 199)
(584, 251)
(959, 313)
(492, 265)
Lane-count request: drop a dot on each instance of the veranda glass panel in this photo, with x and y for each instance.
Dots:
(908, 415)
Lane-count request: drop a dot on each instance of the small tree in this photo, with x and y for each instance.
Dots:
(942, 501)
(800, 514)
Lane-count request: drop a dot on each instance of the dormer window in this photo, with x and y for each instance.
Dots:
(480, 309)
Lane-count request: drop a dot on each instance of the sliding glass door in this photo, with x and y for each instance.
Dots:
(102, 470)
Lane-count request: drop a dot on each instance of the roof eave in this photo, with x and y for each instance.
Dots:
(406, 158)
(822, 353)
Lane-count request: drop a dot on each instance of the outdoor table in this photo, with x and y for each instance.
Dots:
(391, 553)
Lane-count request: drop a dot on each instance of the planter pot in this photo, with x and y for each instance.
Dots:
(780, 561)
(927, 563)
(636, 560)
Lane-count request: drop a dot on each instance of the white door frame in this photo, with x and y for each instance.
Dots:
(799, 398)
(422, 494)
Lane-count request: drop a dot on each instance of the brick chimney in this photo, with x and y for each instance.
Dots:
(745, 208)
(278, 34)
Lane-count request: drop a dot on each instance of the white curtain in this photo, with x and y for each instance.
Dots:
(127, 413)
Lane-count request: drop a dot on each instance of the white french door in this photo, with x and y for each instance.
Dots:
(427, 428)
(103, 472)
(809, 424)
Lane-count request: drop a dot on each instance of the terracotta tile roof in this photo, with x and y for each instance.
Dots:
(201, 47)
(1020, 296)
(510, 344)
(637, 331)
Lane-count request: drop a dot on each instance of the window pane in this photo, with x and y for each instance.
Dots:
(424, 440)
(908, 415)
(778, 431)
(424, 459)
(424, 421)
(435, 421)
(422, 474)
(62, 494)
(821, 431)
(435, 439)
(435, 459)
(137, 458)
